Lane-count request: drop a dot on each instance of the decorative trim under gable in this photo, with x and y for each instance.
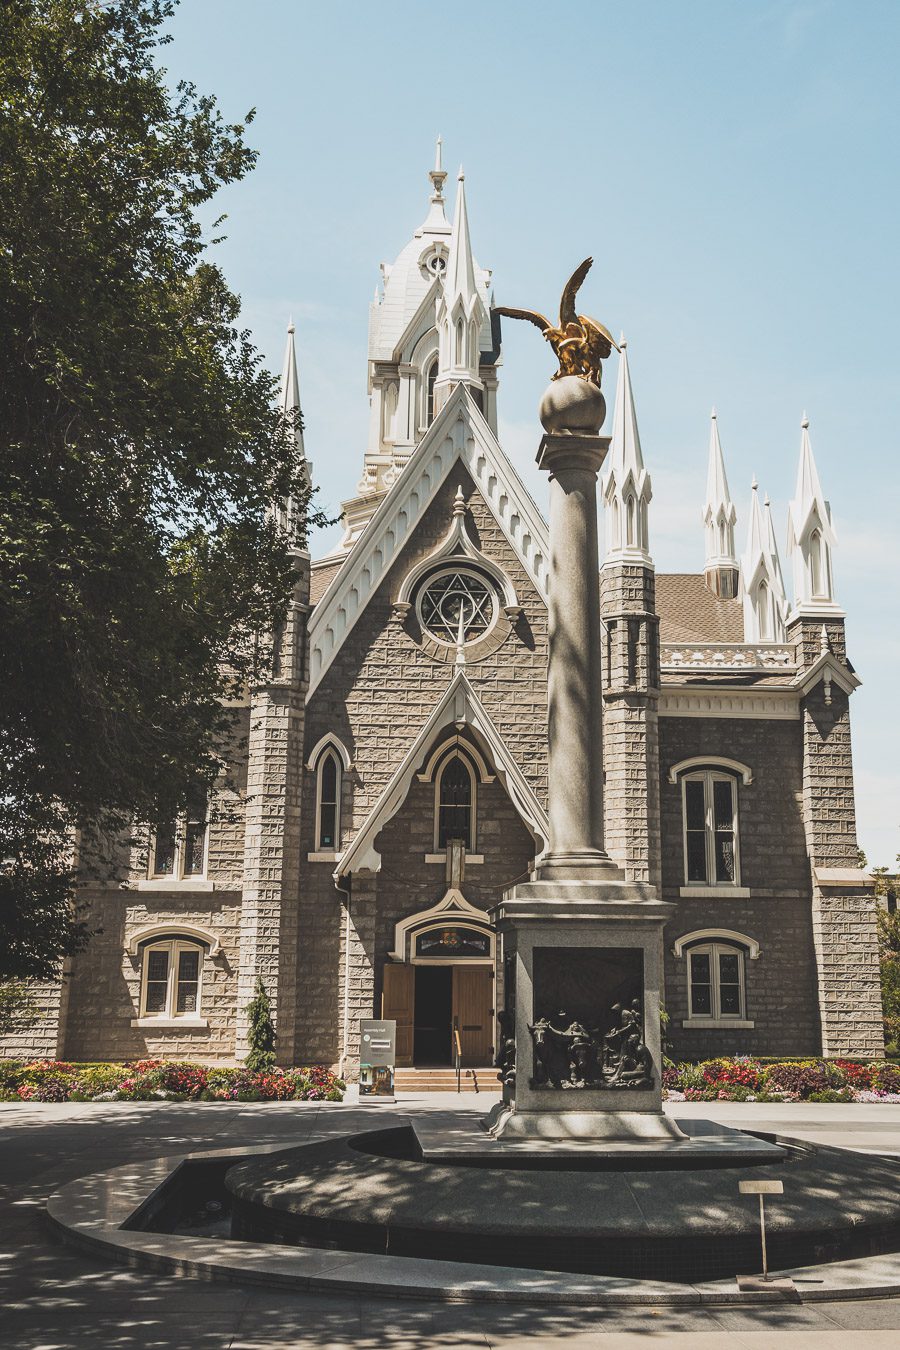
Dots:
(459, 434)
(774, 704)
(460, 707)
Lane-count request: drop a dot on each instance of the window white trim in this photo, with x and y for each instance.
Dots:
(716, 1017)
(720, 891)
(717, 1024)
(449, 746)
(181, 879)
(456, 752)
(189, 931)
(174, 947)
(711, 762)
(724, 935)
(709, 777)
(329, 755)
(329, 740)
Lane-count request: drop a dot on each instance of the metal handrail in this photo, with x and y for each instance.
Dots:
(457, 1055)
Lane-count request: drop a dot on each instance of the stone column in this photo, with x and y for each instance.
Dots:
(574, 685)
(583, 946)
(844, 907)
(631, 719)
(268, 945)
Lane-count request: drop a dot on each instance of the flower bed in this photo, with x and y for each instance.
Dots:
(146, 1080)
(744, 1079)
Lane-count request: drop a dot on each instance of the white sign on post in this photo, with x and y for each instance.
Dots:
(762, 1189)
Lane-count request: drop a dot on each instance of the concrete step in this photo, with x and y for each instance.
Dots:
(444, 1080)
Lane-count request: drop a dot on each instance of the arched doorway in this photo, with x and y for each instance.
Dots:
(439, 984)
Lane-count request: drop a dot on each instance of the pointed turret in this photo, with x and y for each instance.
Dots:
(761, 582)
(719, 517)
(811, 537)
(460, 312)
(627, 491)
(289, 407)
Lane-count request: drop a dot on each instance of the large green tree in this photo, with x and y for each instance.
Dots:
(140, 449)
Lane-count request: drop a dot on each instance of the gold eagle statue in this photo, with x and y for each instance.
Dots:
(579, 342)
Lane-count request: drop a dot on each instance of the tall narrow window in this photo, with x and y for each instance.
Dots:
(329, 802)
(710, 829)
(455, 802)
(629, 521)
(178, 848)
(460, 340)
(817, 571)
(763, 615)
(616, 524)
(432, 376)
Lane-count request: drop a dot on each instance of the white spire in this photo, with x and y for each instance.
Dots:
(772, 545)
(460, 310)
(761, 582)
(811, 536)
(459, 282)
(437, 221)
(289, 402)
(627, 491)
(719, 514)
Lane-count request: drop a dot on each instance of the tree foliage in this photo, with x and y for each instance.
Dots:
(140, 449)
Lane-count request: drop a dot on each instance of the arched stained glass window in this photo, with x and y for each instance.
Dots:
(455, 802)
(329, 802)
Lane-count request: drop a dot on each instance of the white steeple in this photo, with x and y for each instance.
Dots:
(460, 311)
(627, 491)
(719, 518)
(762, 586)
(811, 537)
(289, 407)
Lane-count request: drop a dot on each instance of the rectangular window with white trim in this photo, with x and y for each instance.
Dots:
(716, 983)
(178, 845)
(710, 816)
(170, 980)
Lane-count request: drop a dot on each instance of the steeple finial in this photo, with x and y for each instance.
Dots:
(627, 491)
(811, 536)
(765, 603)
(290, 397)
(438, 175)
(719, 518)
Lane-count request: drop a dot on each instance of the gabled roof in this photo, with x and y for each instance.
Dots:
(459, 434)
(461, 707)
(689, 612)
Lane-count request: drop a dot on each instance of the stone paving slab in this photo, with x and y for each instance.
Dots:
(66, 1300)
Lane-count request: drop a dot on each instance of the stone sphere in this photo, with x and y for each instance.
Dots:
(572, 404)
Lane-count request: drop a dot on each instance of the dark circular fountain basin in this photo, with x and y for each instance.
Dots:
(370, 1193)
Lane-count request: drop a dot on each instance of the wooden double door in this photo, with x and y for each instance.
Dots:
(428, 1001)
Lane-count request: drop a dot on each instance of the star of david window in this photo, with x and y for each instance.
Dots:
(457, 605)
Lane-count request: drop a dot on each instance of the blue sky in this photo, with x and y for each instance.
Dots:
(731, 167)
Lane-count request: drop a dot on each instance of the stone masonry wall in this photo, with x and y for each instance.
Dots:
(781, 984)
(843, 916)
(375, 697)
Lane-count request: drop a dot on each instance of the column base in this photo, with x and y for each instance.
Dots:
(632, 1127)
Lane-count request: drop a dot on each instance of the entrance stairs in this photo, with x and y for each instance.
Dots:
(444, 1080)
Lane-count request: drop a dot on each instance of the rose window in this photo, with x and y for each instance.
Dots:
(457, 605)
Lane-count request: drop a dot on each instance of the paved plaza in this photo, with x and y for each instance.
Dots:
(55, 1298)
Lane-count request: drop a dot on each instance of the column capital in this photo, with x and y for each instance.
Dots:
(572, 450)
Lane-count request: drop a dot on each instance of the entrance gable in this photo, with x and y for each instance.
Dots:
(458, 435)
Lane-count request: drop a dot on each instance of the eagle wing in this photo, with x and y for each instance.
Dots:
(572, 287)
(537, 319)
(586, 319)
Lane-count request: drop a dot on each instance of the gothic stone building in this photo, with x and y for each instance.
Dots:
(390, 780)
